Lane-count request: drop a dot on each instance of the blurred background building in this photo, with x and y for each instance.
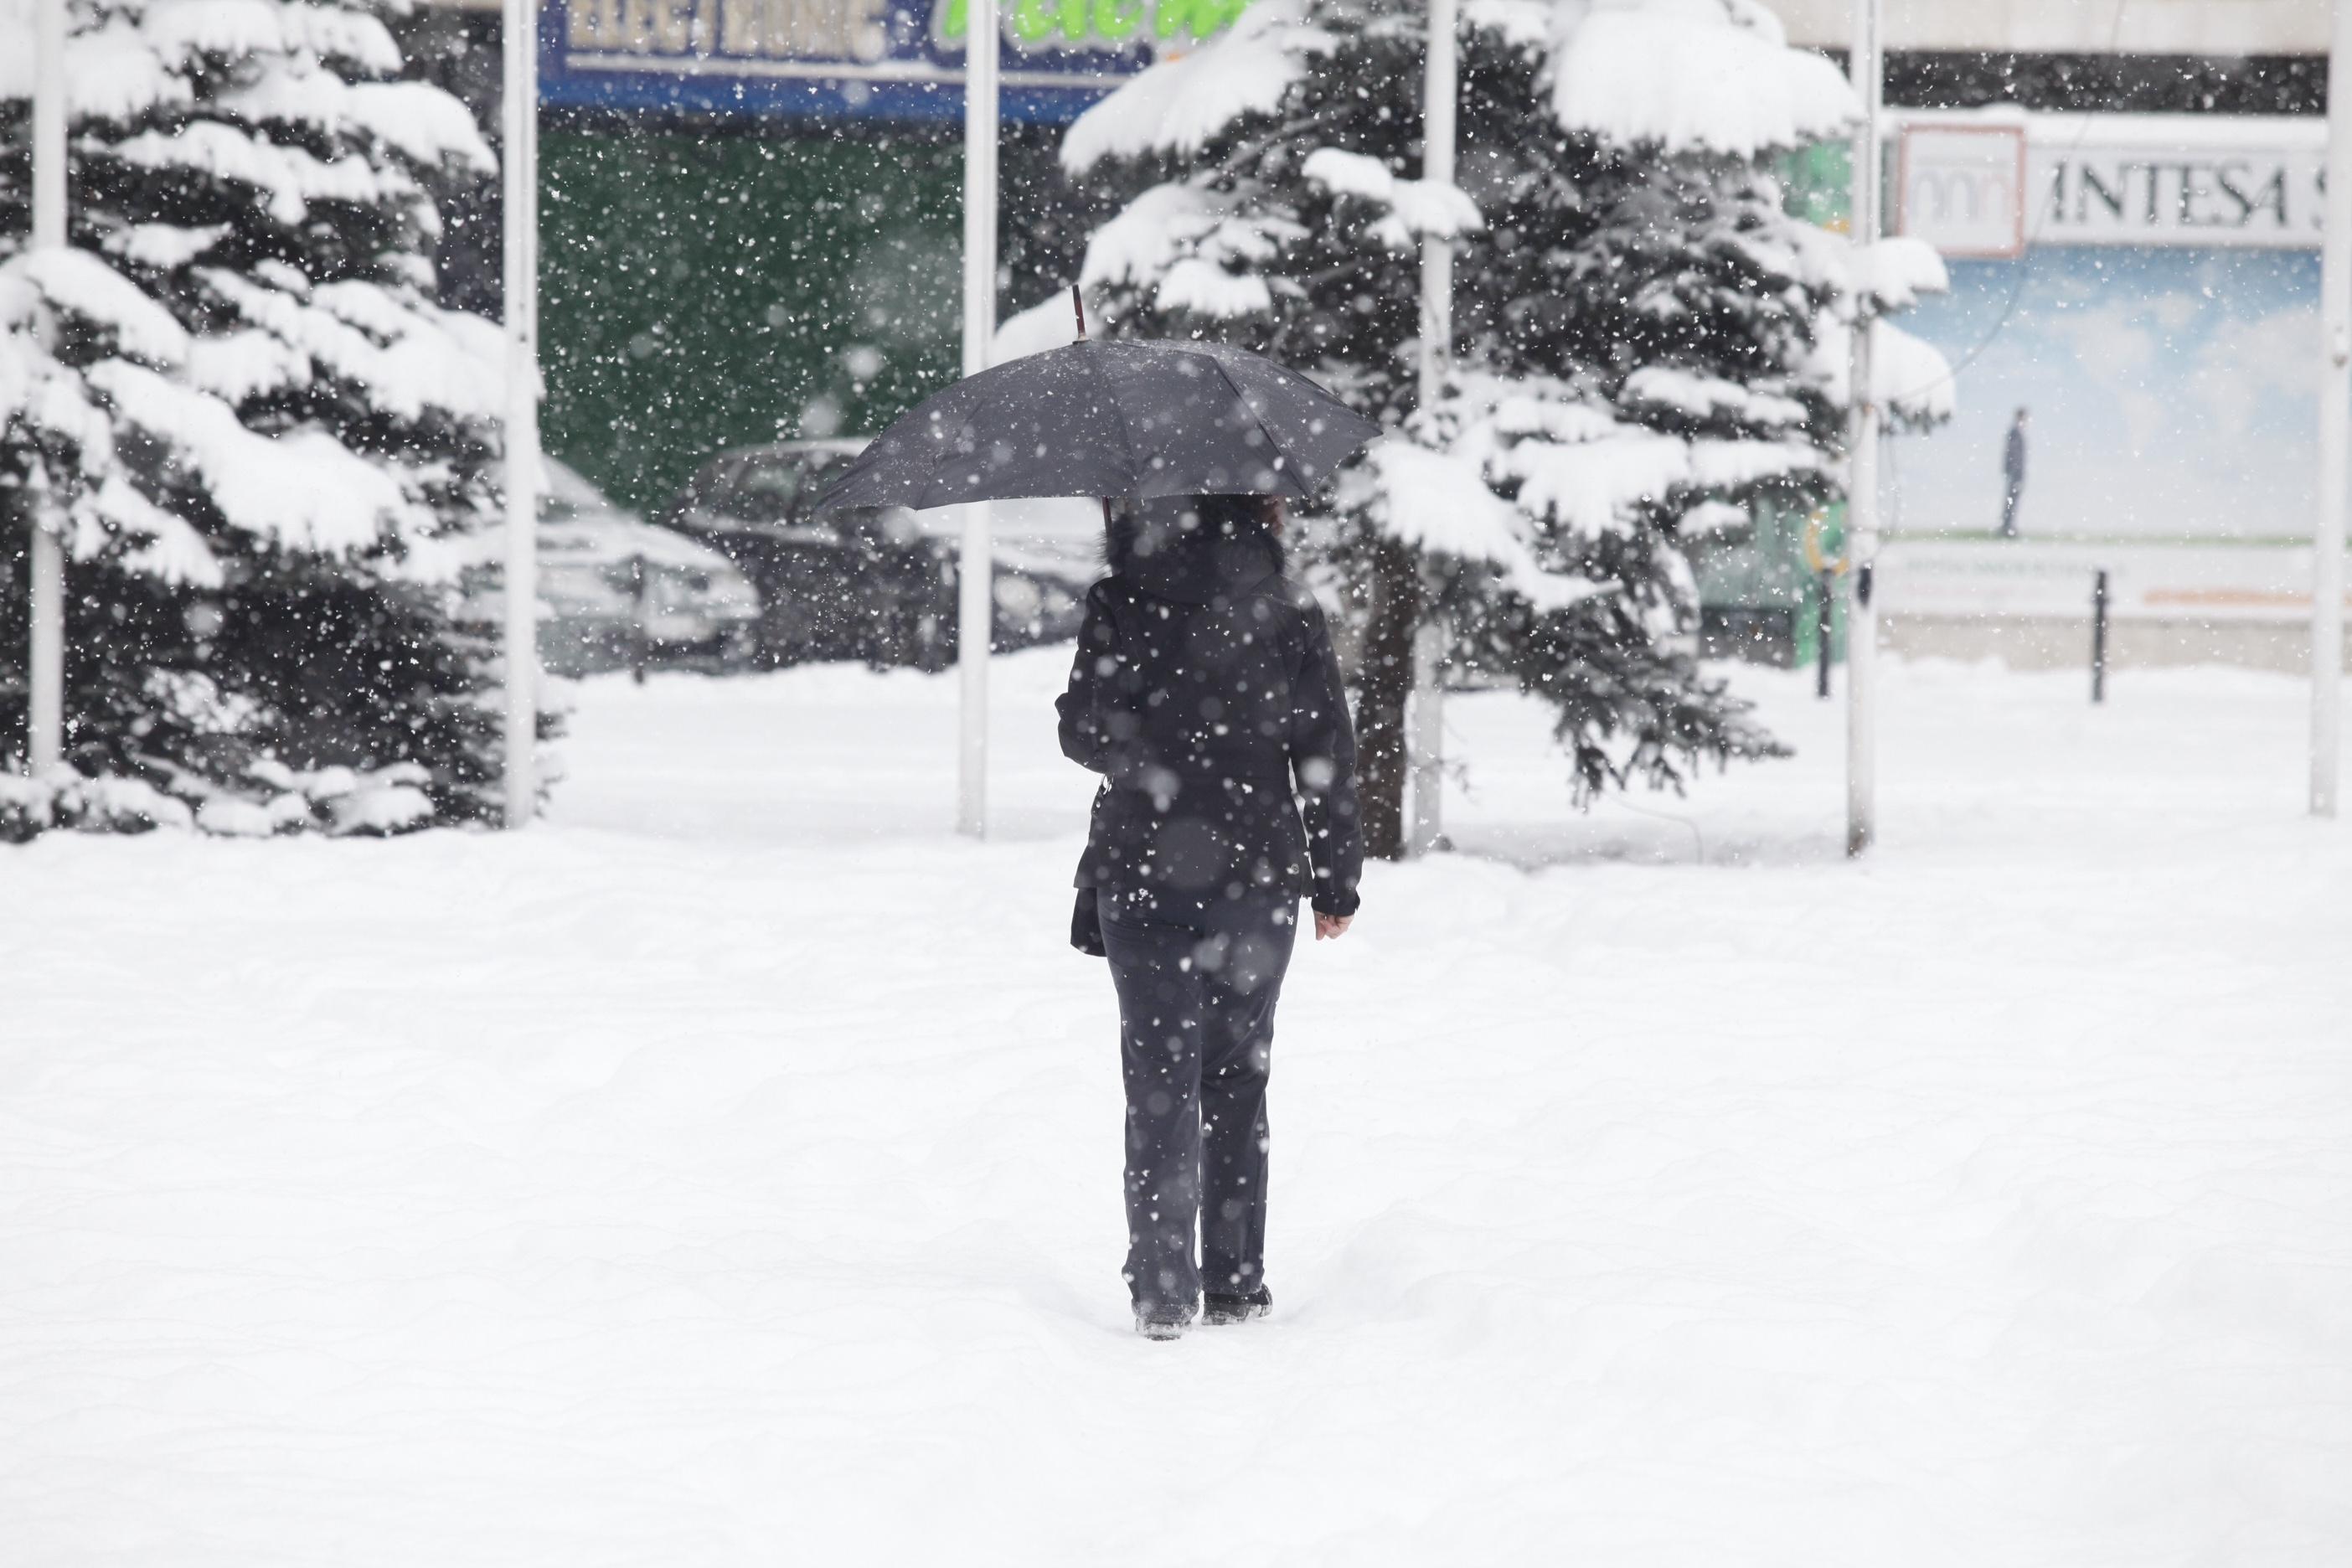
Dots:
(750, 235)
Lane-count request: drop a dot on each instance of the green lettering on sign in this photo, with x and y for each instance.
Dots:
(1032, 21)
(1092, 24)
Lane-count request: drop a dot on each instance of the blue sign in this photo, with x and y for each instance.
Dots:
(866, 59)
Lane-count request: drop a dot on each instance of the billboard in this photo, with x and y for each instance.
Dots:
(2159, 329)
(2171, 391)
(1988, 185)
(834, 59)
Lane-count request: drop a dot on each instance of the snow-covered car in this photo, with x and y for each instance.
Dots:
(876, 583)
(614, 588)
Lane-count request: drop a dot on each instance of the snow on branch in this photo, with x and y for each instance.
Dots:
(161, 247)
(1895, 270)
(1910, 377)
(78, 284)
(1146, 237)
(289, 177)
(1522, 24)
(162, 545)
(1711, 397)
(1201, 286)
(1416, 207)
(415, 119)
(116, 73)
(407, 360)
(301, 490)
(1188, 246)
(1178, 106)
(242, 365)
(184, 30)
(1575, 467)
(1440, 502)
(1692, 77)
(36, 392)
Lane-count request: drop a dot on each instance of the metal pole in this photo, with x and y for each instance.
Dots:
(975, 597)
(637, 618)
(518, 126)
(2335, 430)
(2099, 635)
(46, 665)
(1824, 630)
(1862, 489)
(1425, 740)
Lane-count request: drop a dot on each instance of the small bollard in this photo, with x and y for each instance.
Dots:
(637, 619)
(1824, 625)
(2099, 635)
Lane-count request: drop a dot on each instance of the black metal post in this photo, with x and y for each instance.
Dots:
(637, 619)
(1824, 625)
(2099, 636)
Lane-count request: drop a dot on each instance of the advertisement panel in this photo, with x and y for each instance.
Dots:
(2159, 333)
(1966, 184)
(834, 59)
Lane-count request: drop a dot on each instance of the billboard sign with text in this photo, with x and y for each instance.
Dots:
(1986, 187)
(832, 59)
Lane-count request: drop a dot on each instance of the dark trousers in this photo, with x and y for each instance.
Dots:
(2013, 492)
(1197, 989)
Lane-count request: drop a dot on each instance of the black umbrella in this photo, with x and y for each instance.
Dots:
(1135, 419)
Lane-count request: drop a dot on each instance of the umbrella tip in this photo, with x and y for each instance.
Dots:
(1079, 306)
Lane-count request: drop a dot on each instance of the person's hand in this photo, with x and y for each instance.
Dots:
(1331, 927)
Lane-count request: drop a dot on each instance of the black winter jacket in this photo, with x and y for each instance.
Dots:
(1206, 693)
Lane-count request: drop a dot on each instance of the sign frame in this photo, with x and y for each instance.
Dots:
(2016, 135)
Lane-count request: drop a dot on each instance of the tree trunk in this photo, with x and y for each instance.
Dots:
(1379, 708)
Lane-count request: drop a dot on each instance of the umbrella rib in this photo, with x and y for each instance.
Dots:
(1110, 391)
(1271, 438)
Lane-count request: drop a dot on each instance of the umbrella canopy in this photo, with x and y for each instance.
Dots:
(1135, 419)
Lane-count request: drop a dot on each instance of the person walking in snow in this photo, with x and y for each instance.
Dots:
(1206, 693)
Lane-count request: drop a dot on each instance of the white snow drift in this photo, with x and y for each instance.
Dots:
(728, 1171)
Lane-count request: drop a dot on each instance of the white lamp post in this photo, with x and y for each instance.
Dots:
(2335, 430)
(46, 667)
(1861, 487)
(975, 597)
(1426, 736)
(519, 124)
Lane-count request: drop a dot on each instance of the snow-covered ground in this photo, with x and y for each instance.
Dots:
(727, 1173)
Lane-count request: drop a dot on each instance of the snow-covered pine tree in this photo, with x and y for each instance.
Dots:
(269, 451)
(1649, 344)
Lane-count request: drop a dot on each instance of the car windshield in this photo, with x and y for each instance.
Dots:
(774, 488)
(761, 492)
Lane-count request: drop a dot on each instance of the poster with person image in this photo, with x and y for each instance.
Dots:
(2157, 329)
(2170, 392)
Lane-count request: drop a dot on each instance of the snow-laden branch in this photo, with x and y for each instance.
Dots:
(302, 489)
(289, 177)
(1895, 270)
(1440, 502)
(162, 545)
(78, 284)
(1415, 207)
(1692, 76)
(1179, 106)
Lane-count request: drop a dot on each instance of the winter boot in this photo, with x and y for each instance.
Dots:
(1219, 1310)
(1158, 1325)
